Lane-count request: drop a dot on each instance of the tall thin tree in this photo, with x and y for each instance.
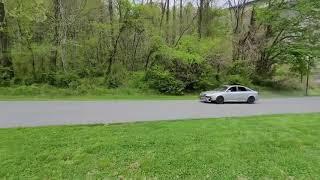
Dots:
(112, 53)
(167, 19)
(5, 59)
(200, 10)
(56, 35)
(180, 16)
(174, 19)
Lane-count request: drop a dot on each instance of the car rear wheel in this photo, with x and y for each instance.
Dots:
(219, 100)
(251, 100)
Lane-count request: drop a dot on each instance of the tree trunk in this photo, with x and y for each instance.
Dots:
(135, 52)
(163, 10)
(146, 66)
(113, 43)
(218, 72)
(63, 34)
(180, 17)
(307, 81)
(101, 40)
(29, 47)
(167, 20)
(206, 17)
(114, 51)
(174, 28)
(56, 38)
(5, 59)
(200, 18)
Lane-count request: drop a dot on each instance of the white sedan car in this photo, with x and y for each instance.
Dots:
(233, 93)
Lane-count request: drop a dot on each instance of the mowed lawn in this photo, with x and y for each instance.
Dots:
(279, 147)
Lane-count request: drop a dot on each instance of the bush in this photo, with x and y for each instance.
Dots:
(27, 81)
(87, 85)
(164, 82)
(207, 79)
(241, 71)
(6, 74)
(205, 84)
(185, 68)
(283, 79)
(63, 79)
(117, 77)
(136, 80)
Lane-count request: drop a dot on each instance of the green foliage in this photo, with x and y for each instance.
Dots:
(168, 53)
(137, 80)
(66, 46)
(62, 79)
(238, 79)
(117, 77)
(6, 75)
(241, 71)
(190, 63)
(163, 81)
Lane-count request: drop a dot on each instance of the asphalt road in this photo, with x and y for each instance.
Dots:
(28, 114)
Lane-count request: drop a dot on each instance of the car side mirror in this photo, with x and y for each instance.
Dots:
(229, 91)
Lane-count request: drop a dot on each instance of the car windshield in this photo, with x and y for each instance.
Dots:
(221, 88)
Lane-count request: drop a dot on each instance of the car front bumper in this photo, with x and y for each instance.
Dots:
(205, 99)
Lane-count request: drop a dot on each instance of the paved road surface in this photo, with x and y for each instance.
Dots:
(26, 114)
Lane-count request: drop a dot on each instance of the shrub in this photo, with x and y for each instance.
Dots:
(5, 76)
(164, 82)
(63, 79)
(184, 67)
(87, 85)
(117, 77)
(136, 80)
(205, 84)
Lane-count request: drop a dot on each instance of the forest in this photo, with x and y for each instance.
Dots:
(165, 46)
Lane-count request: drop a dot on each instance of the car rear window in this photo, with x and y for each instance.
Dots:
(242, 89)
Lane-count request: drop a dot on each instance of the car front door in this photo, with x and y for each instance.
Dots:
(231, 94)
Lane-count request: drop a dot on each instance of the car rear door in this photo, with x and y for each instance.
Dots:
(243, 93)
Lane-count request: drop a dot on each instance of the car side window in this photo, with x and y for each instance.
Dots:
(242, 89)
(233, 89)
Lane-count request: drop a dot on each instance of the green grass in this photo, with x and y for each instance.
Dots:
(45, 93)
(265, 147)
(88, 97)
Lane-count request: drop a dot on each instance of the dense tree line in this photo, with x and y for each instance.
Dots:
(172, 46)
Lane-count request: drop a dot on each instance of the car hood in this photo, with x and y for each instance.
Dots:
(210, 92)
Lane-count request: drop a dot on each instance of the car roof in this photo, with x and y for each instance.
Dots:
(234, 85)
(228, 86)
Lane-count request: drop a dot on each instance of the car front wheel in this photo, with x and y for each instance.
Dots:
(251, 100)
(219, 100)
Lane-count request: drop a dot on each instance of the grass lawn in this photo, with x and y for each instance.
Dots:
(279, 147)
(106, 97)
(48, 93)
